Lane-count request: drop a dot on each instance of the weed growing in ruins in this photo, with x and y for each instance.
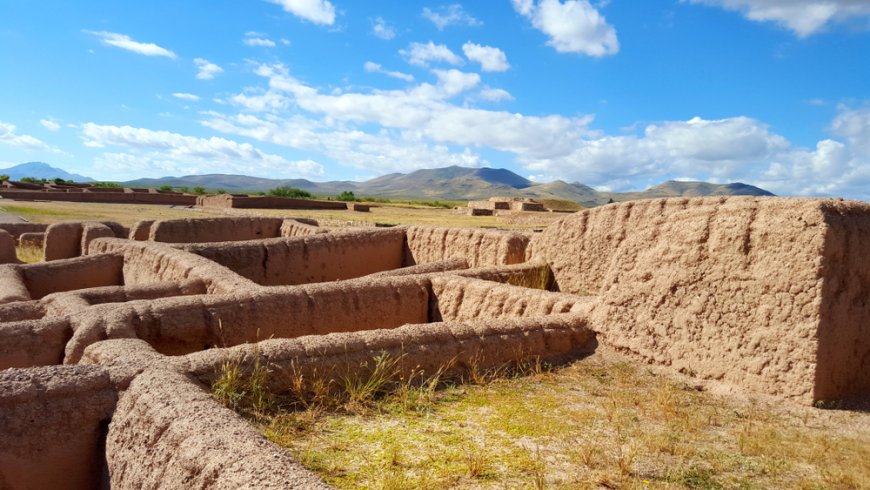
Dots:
(29, 254)
(243, 386)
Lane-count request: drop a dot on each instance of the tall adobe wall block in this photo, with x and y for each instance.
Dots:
(214, 229)
(479, 248)
(63, 241)
(769, 294)
(7, 248)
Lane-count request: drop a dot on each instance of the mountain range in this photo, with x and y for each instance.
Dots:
(40, 170)
(448, 183)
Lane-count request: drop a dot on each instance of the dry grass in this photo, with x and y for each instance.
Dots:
(593, 424)
(127, 214)
(29, 254)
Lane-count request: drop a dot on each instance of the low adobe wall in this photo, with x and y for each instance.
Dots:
(71, 239)
(300, 227)
(490, 205)
(766, 293)
(478, 247)
(265, 202)
(308, 259)
(453, 347)
(54, 421)
(169, 432)
(214, 229)
(70, 274)
(187, 324)
(150, 262)
(7, 248)
(33, 342)
(16, 229)
(89, 195)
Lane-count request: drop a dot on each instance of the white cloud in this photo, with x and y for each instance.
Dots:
(422, 54)
(150, 152)
(257, 39)
(9, 136)
(373, 67)
(206, 70)
(495, 94)
(316, 11)
(450, 15)
(574, 26)
(50, 124)
(490, 58)
(383, 30)
(804, 17)
(186, 96)
(124, 42)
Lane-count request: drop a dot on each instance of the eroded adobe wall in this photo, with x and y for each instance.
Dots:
(27, 342)
(12, 286)
(16, 229)
(44, 278)
(53, 421)
(150, 262)
(462, 299)
(730, 289)
(478, 247)
(454, 347)
(100, 196)
(7, 248)
(295, 227)
(70, 239)
(308, 259)
(181, 325)
(169, 432)
(214, 229)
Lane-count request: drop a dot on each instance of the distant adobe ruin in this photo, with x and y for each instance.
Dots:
(108, 347)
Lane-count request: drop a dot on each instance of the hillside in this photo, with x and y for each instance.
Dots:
(41, 170)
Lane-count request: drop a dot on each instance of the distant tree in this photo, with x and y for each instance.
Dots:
(610, 201)
(184, 189)
(221, 191)
(4, 177)
(346, 196)
(166, 188)
(111, 185)
(61, 181)
(287, 191)
(199, 190)
(33, 180)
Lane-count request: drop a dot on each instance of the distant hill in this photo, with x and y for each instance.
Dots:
(41, 170)
(455, 183)
(448, 183)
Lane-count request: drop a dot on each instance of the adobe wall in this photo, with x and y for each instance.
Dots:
(479, 247)
(150, 262)
(69, 274)
(33, 342)
(308, 259)
(12, 286)
(214, 229)
(295, 227)
(764, 293)
(141, 230)
(264, 202)
(491, 205)
(462, 299)
(456, 347)
(449, 265)
(53, 421)
(169, 432)
(70, 239)
(99, 197)
(7, 248)
(16, 229)
(29, 239)
(181, 325)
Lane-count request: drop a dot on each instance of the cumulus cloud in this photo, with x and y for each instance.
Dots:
(206, 70)
(373, 67)
(422, 54)
(383, 30)
(803, 17)
(150, 152)
(448, 15)
(9, 136)
(50, 124)
(257, 39)
(490, 58)
(316, 11)
(125, 42)
(186, 96)
(574, 26)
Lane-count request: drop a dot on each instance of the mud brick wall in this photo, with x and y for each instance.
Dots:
(478, 247)
(214, 229)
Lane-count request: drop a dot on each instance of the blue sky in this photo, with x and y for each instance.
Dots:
(615, 94)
